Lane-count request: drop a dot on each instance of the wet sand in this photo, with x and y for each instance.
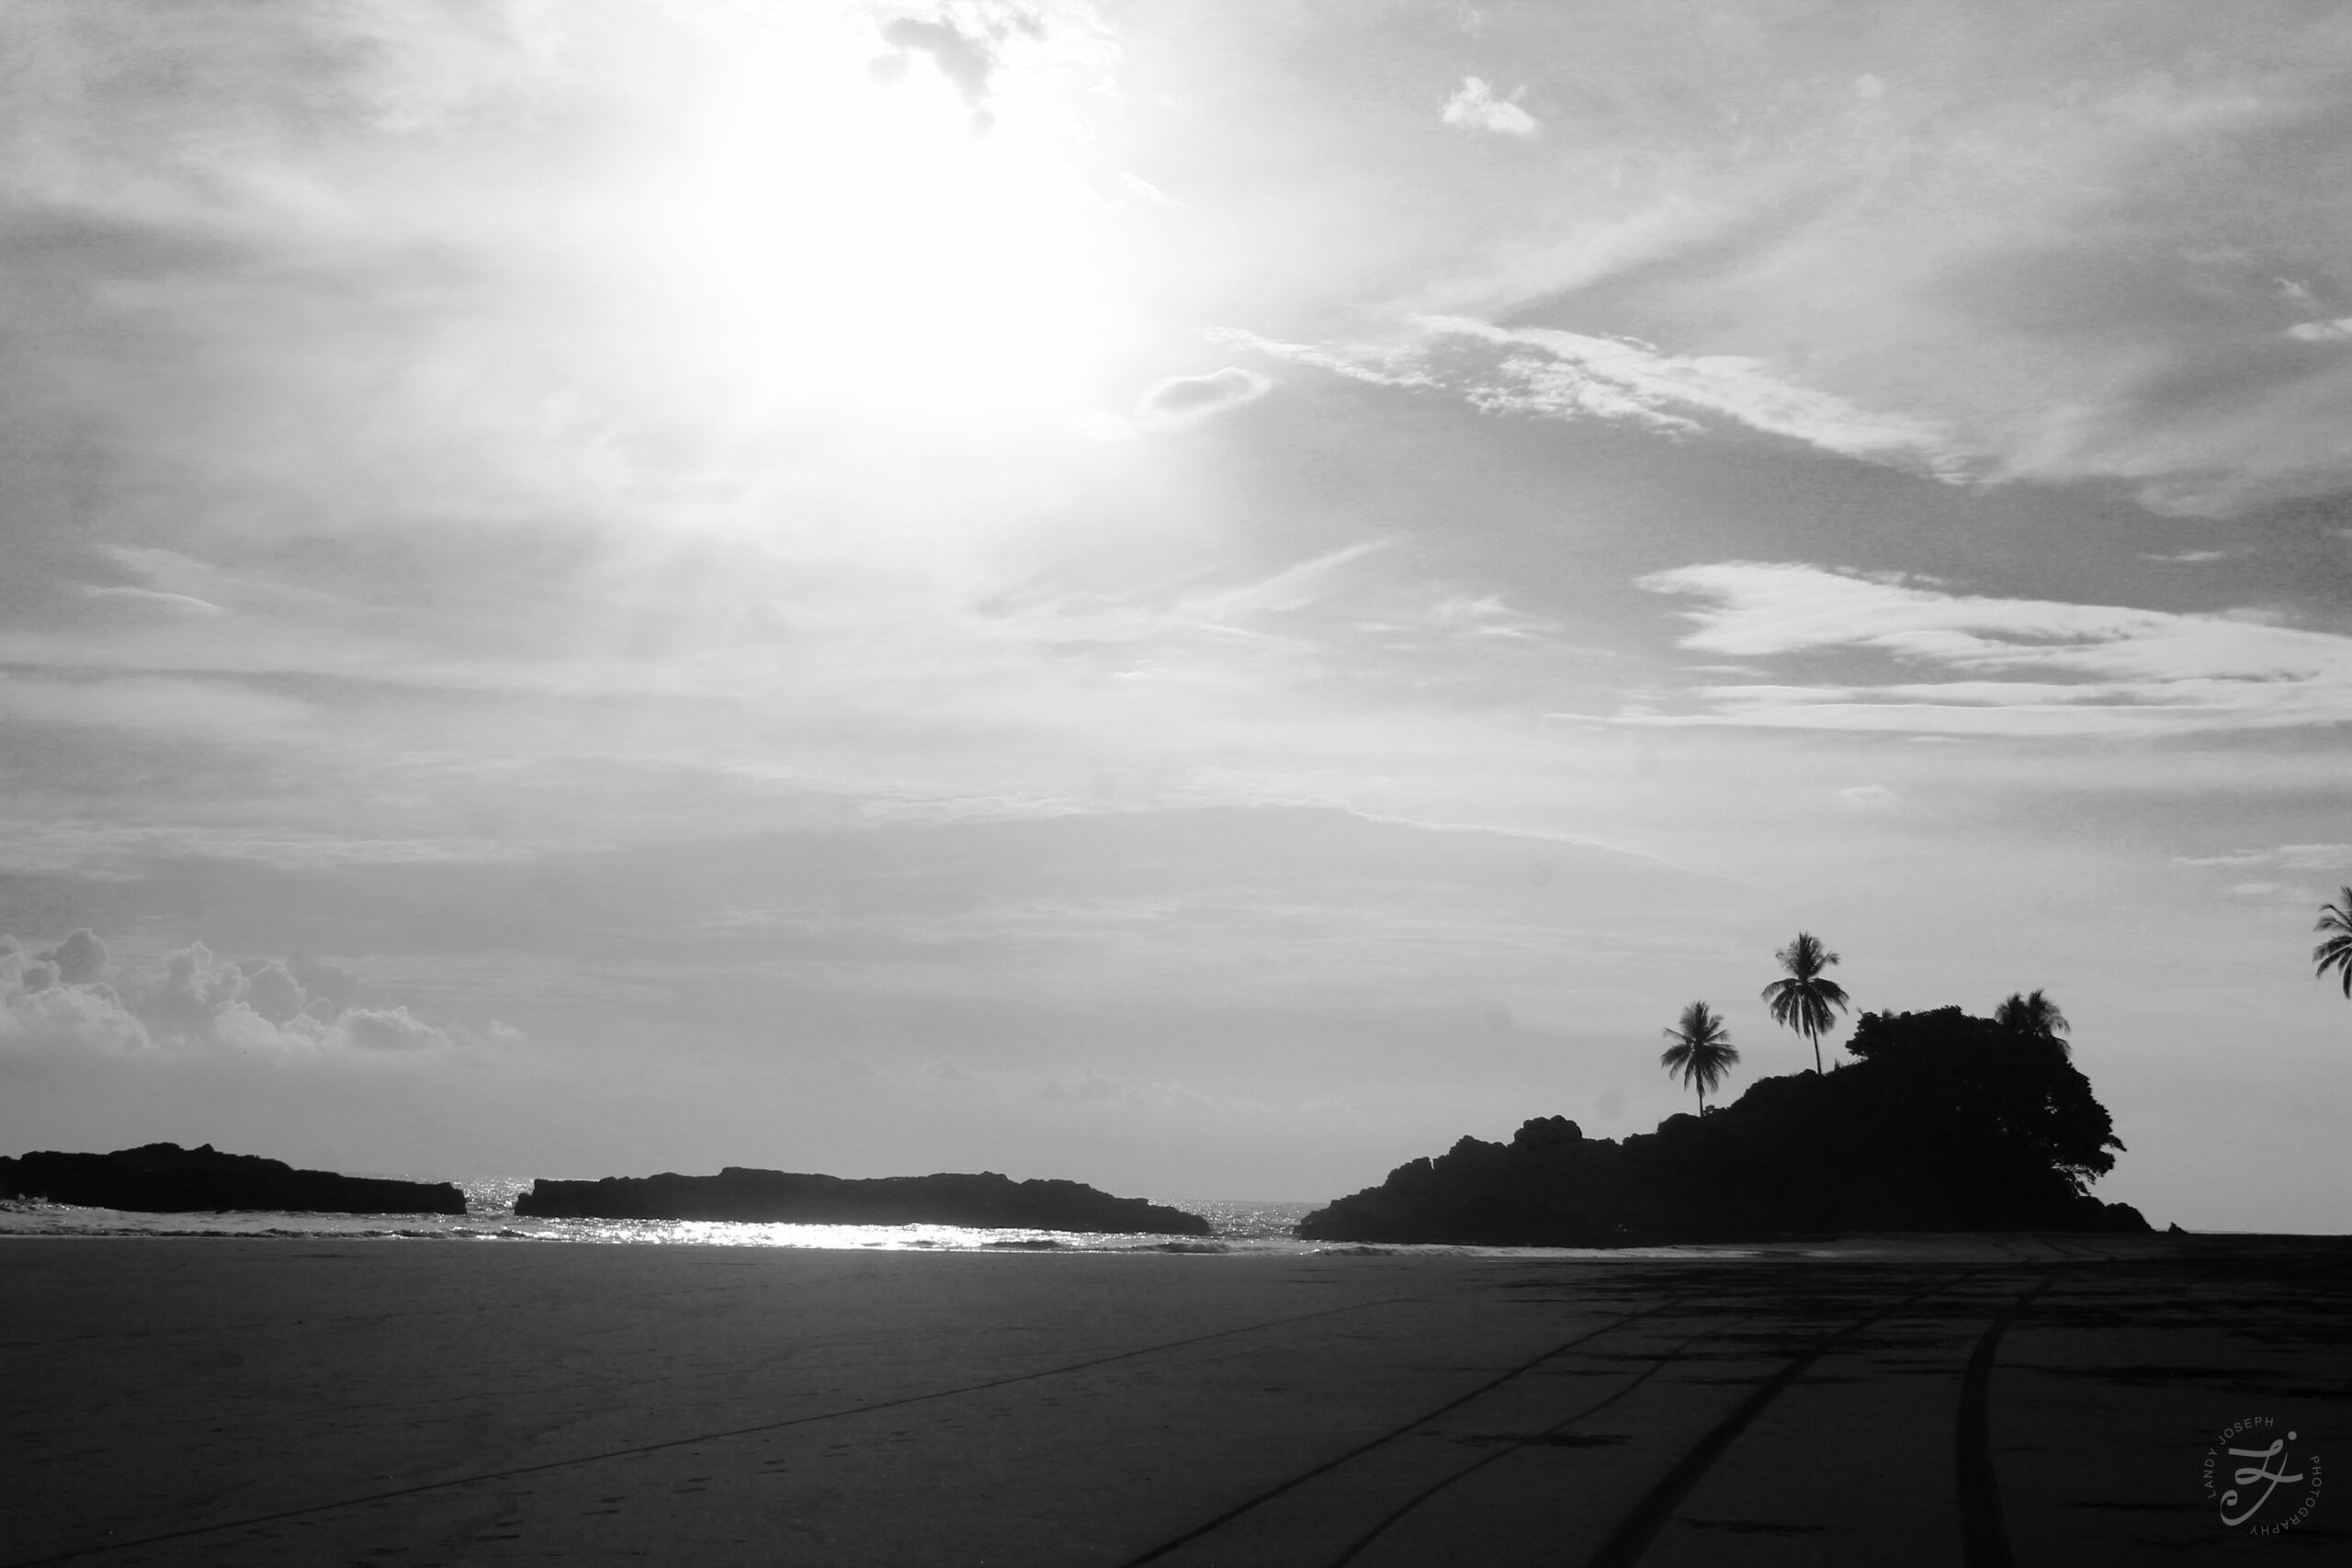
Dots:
(1921, 1401)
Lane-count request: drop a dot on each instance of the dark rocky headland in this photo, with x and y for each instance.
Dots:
(984, 1200)
(1945, 1123)
(165, 1179)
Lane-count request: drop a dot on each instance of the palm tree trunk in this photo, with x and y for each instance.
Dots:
(1815, 1036)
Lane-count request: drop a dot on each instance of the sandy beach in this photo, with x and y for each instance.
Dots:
(1922, 1401)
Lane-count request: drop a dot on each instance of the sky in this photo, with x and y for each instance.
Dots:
(1204, 599)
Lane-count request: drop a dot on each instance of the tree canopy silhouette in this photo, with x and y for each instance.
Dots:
(2035, 1017)
(2335, 953)
(1803, 1000)
(1943, 1123)
(1701, 1053)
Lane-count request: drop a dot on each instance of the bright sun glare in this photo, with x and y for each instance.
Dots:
(820, 231)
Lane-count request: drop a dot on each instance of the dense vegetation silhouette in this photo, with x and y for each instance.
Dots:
(1701, 1053)
(1803, 1000)
(1944, 1121)
(2034, 1016)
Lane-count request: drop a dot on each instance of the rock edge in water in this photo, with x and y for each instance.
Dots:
(986, 1200)
(165, 1179)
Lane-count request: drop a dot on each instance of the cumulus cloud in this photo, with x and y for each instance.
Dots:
(80, 958)
(1185, 400)
(390, 1029)
(57, 1000)
(2337, 331)
(1473, 106)
(2000, 666)
(1570, 376)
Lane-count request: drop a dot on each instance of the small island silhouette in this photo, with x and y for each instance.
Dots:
(165, 1179)
(986, 1200)
(1945, 1123)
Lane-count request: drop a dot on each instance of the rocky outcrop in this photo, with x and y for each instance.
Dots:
(165, 1179)
(986, 1201)
(1946, 1123)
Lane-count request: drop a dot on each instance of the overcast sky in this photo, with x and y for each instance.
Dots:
(1203, 598)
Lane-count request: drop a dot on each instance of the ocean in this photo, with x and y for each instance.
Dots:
(1236, 1228)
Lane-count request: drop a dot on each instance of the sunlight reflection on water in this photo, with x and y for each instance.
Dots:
(1237, 1228)
(1258, 1227)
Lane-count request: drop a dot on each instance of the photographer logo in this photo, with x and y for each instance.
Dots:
(2261, 1479)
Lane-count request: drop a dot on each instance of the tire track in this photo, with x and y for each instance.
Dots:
(1625, 1544)
(1984, 1534)
(1390, 1521)
(1302, 1478)
(454, 1483)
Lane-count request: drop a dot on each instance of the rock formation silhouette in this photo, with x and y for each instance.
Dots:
(1947, 1122)
(165, 1179)
(738, 1193)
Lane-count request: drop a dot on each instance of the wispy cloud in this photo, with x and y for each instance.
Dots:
(2283, 857)
(1999, 665)
(1186, 400)
(1570, 376)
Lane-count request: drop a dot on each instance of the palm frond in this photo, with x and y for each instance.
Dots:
(2335, 953)
(2336, 917)
(1701, 1053)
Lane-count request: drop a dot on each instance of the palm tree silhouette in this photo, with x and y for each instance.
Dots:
(2335, 953)
(1803, 1001)
(2035, 1017)
(1701, 1051)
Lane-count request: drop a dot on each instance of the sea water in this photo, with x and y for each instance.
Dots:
(1235, 1228)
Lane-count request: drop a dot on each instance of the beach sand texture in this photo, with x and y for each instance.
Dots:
(1921, 1402)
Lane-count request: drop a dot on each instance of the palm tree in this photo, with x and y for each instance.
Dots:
(2335, 953)
(1803, 1001)
(2035, 1017)
(1701, 1051)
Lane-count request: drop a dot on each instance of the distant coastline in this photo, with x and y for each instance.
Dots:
(168, 1180)
(986, 1199)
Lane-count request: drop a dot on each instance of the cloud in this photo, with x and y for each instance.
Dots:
(1392, 367)
(1867, 795)
(197, 1003)
(80, 958)
(69, 1019)
(966, 62)
(209, 710)
(1570, 376)
(1186, 400)
(390, 1029)
(2285, 857)
(149, 599)
(1476, 107)
(2337, 331)
(1998, 666)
